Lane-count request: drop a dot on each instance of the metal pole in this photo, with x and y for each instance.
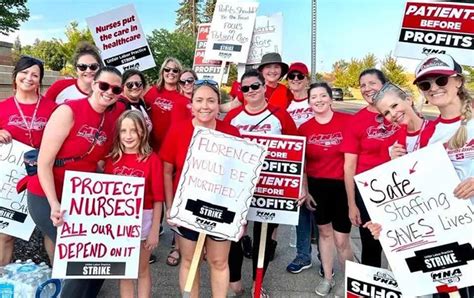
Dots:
(313, 39)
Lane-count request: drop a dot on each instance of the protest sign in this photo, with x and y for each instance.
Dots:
(426, 231)
(205, 69)
(368, 281)
(267, 37)
(230, 32)
(120, 39)
(437, 28)
(279, 186)
(101, 234)
(14, 217)
(217, 182)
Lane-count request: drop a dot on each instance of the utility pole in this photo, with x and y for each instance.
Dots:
(313, 39)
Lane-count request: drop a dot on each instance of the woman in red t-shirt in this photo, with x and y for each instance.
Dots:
(77, 136)
(163, 99)
(132, 156)
(87, 62)
(205, 108)
(364, 148)
(23, 118)
(325, 171)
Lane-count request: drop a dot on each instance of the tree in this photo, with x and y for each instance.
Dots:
(188, 16)
(208, 11)
(16, 53)
(12, 12)
(164, 43)
(394, 72)
(50, 52)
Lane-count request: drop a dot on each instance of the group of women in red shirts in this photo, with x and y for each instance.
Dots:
(107, 121)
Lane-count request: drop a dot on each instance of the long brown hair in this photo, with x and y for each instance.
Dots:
(459, 138)
(160, 84)
(144, 148)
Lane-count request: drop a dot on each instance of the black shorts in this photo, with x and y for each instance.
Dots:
(193, 235)
(331, 199)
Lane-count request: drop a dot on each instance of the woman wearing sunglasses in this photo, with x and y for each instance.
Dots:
(23, 117)
(77, 136)
(364, 146)
(186, 81)
(86, 62)
(134, 84)
(258, 116)
(163, 98)
(205, 108)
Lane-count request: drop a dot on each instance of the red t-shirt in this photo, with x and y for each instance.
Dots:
(412, 141)
(176, 144)
(151, 169)
(270, 120)
(162, 103)
(236, 92)
(12, 121)
(79, 141)
(366, 137)
(66, 89)
(323, 141)
(281, 98)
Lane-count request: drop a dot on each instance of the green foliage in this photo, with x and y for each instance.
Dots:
(48, 51)
(208, 11)
(12, 13)
(188, 16)
(164, 43)
(395, 72)
(16, 50)
(346, 74)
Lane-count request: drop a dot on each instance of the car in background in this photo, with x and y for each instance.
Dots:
(337, 94)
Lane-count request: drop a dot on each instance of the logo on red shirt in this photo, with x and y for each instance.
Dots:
(17, 121)
(255, 128)
(380, 132)
(89, 133)
(126, 171)
(164, 104)
(301, 113)
(326, 140)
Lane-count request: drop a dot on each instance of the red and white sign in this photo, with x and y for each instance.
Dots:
(437, 28)
(205, 69)
(279, 186)
(120, 38)
(101, 234)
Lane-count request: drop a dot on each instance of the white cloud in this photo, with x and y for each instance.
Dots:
(28, 36)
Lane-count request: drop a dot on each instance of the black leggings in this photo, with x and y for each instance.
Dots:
(236, 258)
(257, 227)
(371, 248)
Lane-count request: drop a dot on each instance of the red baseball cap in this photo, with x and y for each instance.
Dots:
(299, 67)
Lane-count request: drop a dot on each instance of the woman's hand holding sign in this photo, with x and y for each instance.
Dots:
(5, 136)
(57, 216)
(397, 150)
(465, 189)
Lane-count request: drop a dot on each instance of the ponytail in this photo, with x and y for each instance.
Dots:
(459, 138)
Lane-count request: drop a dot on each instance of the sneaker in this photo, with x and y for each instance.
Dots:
(321, 271)
(340, 291)
(298, 265)
(247, 246)
(324, 287)
(272, 245)
(152, 259)
(162, 231)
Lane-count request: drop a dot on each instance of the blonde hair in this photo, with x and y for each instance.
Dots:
(459, 138)
(160, 84)
(144, 148)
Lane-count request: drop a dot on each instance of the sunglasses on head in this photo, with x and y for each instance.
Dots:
(137, 84)
(104, 86)
(174, 70)
(206, 82)
(84, 66)
(254, 86)
(441, 81)
(293, 75)
(187, 81)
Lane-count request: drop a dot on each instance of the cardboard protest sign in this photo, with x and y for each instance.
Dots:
(267, 37)
(14, 217)
(426, 231)
(279, 186)
(231, 30)
(368, 281)
(205, 69)
(119, 36)
(101, 234)
(437, 28)
(217, 182)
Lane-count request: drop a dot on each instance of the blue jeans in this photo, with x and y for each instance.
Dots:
(303, 234)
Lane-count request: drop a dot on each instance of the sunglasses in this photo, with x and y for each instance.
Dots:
(84, 66)
(293, 75)
(104, 86)
(174, 70)
(187, 81)
(137, 84)
(254, 86)
(380, 94)
(207, 83)
(440, 81)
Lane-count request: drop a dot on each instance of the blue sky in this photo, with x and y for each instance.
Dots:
(345, 28)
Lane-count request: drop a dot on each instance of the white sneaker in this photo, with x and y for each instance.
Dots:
(324, 287)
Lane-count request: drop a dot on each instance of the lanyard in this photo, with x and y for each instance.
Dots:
(418, 139)
(33, 118)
